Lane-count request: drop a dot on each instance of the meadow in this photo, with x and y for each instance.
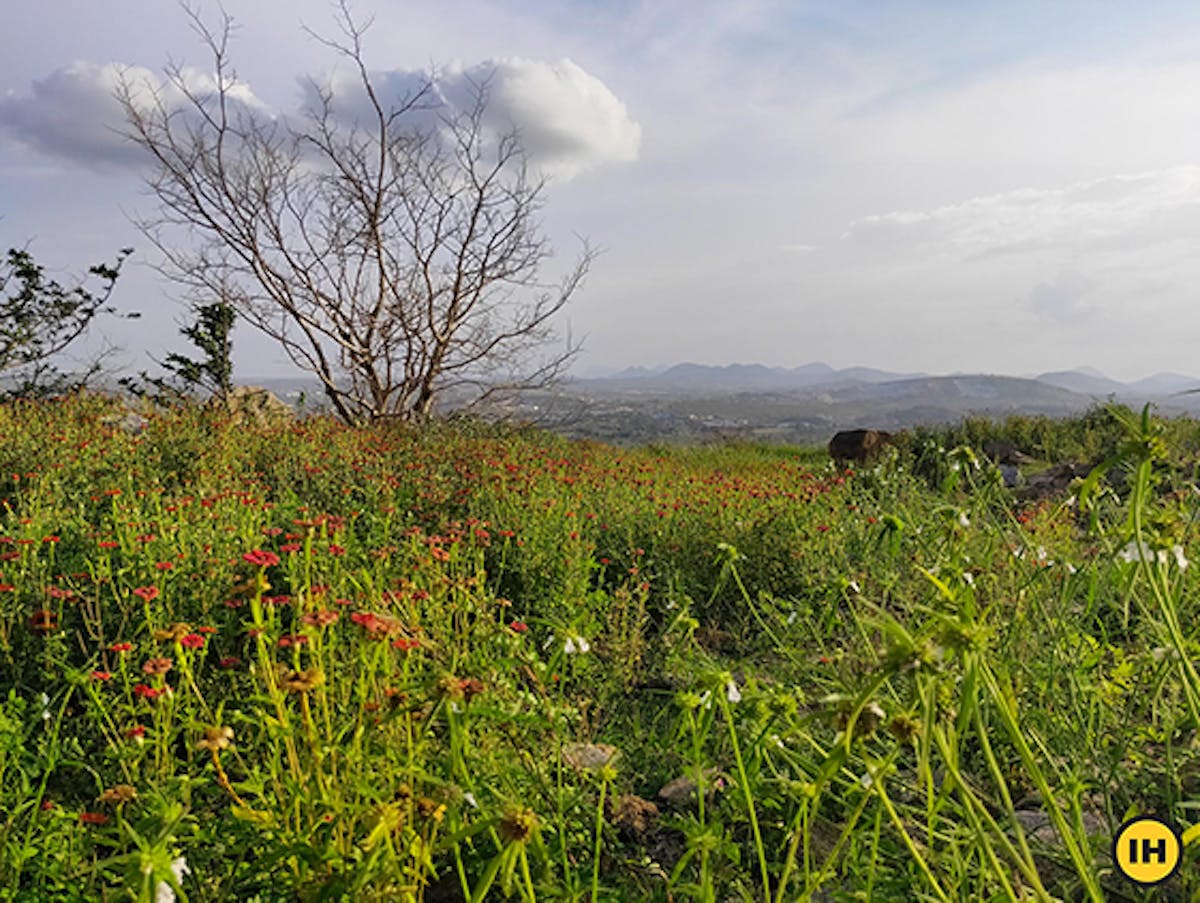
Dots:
(468, 662)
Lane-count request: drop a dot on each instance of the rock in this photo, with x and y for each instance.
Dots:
(132, 422)
(633, 816)
(1005, 453)
(859, 446)
(1011, 475)
(254, 405)
(589, 756)
(682, 790)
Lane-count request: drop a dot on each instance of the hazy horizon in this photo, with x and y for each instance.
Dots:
(1004, 187)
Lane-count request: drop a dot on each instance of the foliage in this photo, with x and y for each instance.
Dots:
(307, 661)
(210, 334)
(39, 318)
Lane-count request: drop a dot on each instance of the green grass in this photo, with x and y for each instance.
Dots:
(459, 663)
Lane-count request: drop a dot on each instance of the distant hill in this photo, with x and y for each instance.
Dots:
(1085, 381)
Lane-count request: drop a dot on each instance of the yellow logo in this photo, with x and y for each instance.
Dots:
(1147, 850)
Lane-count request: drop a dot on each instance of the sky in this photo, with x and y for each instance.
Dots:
(1003, 187)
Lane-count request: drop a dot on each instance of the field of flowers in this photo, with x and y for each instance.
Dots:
(313, 662)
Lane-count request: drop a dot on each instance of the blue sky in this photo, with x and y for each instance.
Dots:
(1001, 187)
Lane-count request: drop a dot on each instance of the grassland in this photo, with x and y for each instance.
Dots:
(309, 662)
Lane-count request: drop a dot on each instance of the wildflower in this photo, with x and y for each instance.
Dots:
(175, 632)
(137, 733)
(156, 666)
(147, 692)
(118, 794)
(191, 641)
(404, 644)
(261, 558)
(518, 825)
(121, 647)
(322, 618)
(162, 891)
(575, 644)
(303, 681)
(216, 738)
(292, 639)
(290, 547)
(101, 675)
(230, 661)
(43, 621)
(518, 627)
(164, 565)
(147, 593)
(1180, 558)
(93, 818)
(732, 693)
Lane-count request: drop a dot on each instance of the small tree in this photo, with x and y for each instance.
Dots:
(210, 333)
(39, 318)
(394, 256)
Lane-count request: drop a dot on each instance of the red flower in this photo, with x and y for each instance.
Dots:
(230, 661)
(405, 643)
(292, 639)
(191, 641)
(93, 818)
(121, 647)
(261, 558)
(137, 732)
(336, 550)
(43, 621)
(147, 593)
(108, 544)
(147, 692)
(519, 626)
(164, 565)
(50, 539)
(101, 675)
(6, 587)
(206, 630)
(290, 547)
(156, 666)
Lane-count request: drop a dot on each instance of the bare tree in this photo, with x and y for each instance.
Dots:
(395, 255)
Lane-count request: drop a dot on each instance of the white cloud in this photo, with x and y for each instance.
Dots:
(569, 120)
(74, 113)
(1130, 210)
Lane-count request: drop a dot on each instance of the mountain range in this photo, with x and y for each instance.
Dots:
(691, 378)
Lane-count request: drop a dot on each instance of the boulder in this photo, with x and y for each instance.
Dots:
(254, 405)
(859, 446)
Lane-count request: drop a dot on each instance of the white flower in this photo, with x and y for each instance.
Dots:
(1133, 551)
(968, 578)
(866, 780)
(469, 799)
(853, 584)
(963, 520)
(575, 644)
(162, 891)
(732, 693)
(1180, 558)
